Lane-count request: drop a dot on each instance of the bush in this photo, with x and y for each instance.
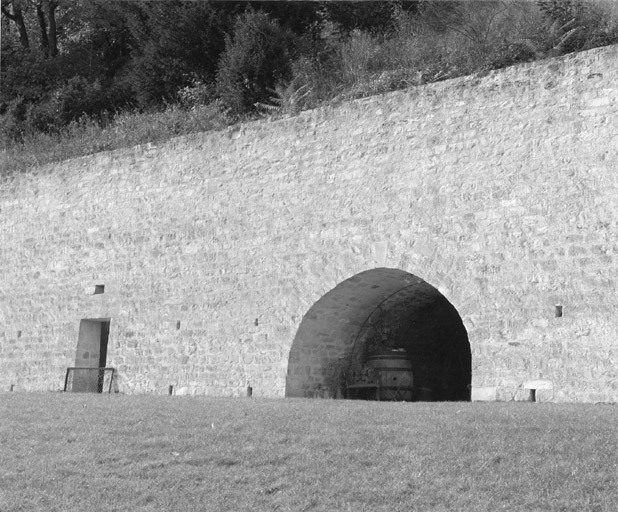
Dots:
(75, 100)
(14, 124)
(78, 98)
(43, 117)
(196, 94)
(574, 25)
(358, 56)
(481, 35)
(317, 81)
(257, 58)
(23, 147)
(156, 78)
(25, 74)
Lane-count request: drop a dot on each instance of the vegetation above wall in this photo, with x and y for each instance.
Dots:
(85, 76)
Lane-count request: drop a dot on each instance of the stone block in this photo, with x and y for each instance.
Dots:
(484, 394)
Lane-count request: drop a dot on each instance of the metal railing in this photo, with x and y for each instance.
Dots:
(89, 380)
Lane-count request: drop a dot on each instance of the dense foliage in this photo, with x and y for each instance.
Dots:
(68, 65)
(255, 59)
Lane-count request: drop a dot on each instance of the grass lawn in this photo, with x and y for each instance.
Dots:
(84, 452)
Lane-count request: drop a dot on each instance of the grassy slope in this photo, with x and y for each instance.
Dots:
(143, 453)
(127, 130)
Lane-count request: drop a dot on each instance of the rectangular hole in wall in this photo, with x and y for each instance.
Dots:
(99, 288)
(91, 355)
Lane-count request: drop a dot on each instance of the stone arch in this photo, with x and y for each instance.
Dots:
(375, 310)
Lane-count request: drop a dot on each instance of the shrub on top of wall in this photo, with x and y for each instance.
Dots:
(257, 58)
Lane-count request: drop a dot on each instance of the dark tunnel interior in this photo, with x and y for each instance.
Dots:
(375, 312)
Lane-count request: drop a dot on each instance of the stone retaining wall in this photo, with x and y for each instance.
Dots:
(501, 191)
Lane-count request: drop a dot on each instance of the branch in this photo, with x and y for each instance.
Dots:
(8, 14)
(492, 18)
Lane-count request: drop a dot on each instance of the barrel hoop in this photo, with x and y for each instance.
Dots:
(389, 369)
(406, 358)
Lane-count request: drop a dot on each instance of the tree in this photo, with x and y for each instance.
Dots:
(19, 12)
(46, 14)
(81, 40)
(561, 11)
(13, 10)
(174, 44)
(257, 57)
(371, 17)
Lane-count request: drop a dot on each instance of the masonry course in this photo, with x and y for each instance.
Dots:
(501, 191)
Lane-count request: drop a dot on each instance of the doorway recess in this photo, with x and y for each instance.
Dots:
(91, 355)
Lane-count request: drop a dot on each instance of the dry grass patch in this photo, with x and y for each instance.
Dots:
(87, 136)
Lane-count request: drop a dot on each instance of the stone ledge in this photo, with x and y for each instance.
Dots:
(539, 384)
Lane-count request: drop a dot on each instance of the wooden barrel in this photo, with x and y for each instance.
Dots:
(394, 372)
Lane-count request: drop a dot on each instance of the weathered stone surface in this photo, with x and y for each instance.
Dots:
(500, 191)
(486, 394)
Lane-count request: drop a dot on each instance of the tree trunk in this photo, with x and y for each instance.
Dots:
(43, 26)
(51, 18)
(46, 14)
(17, 18)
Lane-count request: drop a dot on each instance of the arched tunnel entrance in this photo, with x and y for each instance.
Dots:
(376, 312)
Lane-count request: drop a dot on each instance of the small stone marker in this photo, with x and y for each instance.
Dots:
(533, 385)
(484, 394)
